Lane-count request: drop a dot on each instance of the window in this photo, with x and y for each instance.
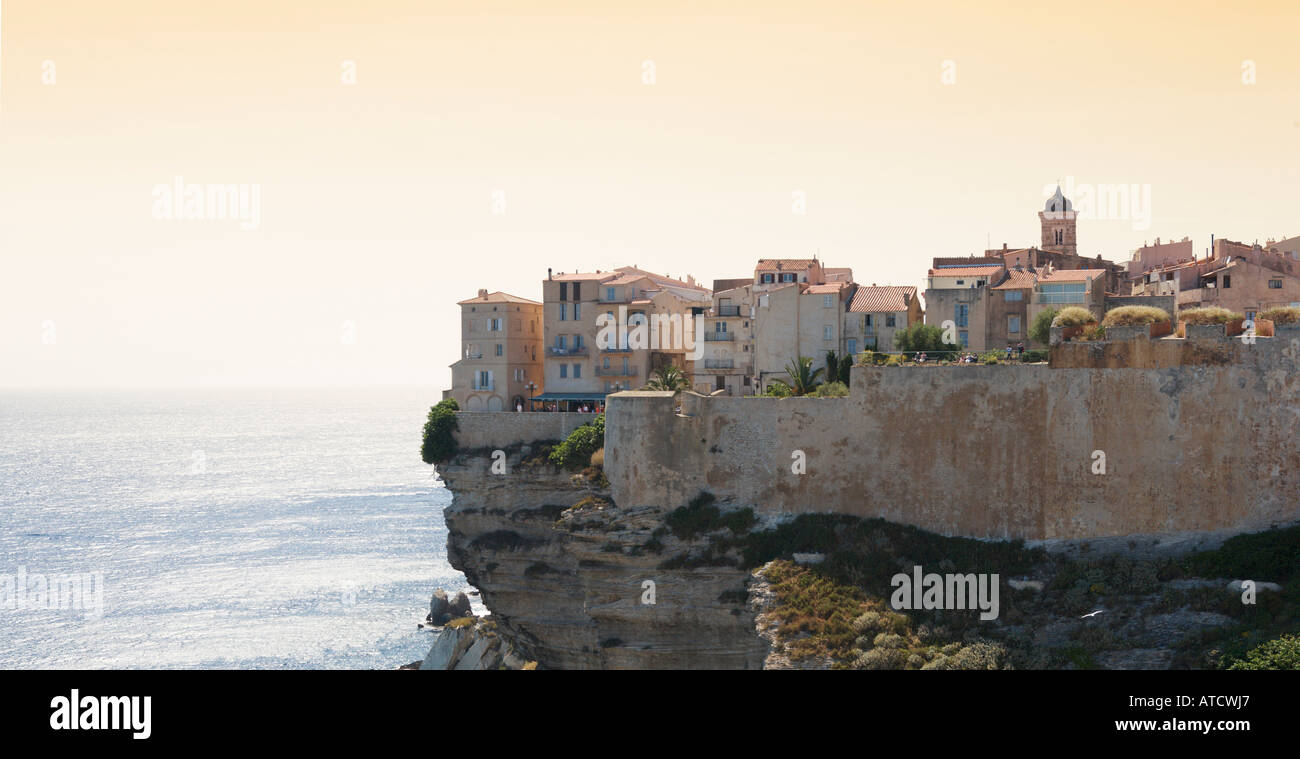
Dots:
(826, 301)
(963, 315)
(1060, 236)
(611, 293)
(561, 342)
(766, 279)
(564, 291)
(852, 346)
(564, 371)
(483, 381)
(1013, 325)
(577, 291)
(1227, 280)
(1275, 284)
(564, 313)
(1014, 295)
(577, 311)
(519, 375)
(496, 325)
(889, 320)
(867, 323)
(720, 327)
(828, 332)
(577, 342)
(577, 371)
(787, 277)
(965, 338)
(500, 350)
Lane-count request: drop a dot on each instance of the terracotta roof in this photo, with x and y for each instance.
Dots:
(977, 270)
(881, 298)
(1021, 279)
(499, 297)
(630, 271)
(784, 264)
(829, 287)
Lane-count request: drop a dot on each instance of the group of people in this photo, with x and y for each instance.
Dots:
(586, 408)
(1017, 351)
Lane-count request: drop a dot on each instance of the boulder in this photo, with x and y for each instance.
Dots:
(439, 608)
(460, 607)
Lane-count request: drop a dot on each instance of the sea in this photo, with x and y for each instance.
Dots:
(227, 529)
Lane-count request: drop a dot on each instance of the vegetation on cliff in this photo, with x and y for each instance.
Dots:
(1208, 315)
(1041, 330)
(1280, 315)
(439, 442)
(576, 450)
(1128, 316)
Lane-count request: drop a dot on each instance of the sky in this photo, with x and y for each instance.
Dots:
(401, 155)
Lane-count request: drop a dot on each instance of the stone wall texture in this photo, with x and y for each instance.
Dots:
(1197, 437)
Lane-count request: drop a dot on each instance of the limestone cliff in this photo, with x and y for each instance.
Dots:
(576, 582)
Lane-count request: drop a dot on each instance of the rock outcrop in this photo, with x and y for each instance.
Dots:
(576, 582)
(474, 644)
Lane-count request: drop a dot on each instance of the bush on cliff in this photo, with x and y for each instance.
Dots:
(1129, 316)
(1208, 315)
(1073, 316)
(439, 439)
(577, 449)
(1280, 653)
(1041, 330)
(1281, 315)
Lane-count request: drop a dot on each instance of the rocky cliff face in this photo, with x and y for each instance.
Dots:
(576, 582)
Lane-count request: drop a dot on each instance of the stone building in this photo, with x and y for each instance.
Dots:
(580, 308)
(875, 313)
(960, 293)
(501, 345)
(728, 359)
(1242, 278)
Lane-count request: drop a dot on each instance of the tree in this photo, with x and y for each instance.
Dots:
(669, 377)
(832, 366)
(803, 378)
(439, 441)
(921, 337)
(1041, 330)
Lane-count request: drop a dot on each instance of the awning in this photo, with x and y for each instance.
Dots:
(569, 397)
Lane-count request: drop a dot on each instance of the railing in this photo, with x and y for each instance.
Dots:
(717, 337)
(616, 371)
(468, 354)
(719, 363)
(490, 386)
(728, 310)
(556, 351)
(623, 349)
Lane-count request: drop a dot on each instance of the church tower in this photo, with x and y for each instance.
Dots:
(1057, 219)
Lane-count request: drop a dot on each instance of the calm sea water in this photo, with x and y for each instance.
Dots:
(233, 529)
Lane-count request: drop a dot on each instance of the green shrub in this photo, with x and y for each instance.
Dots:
(1281, 315)
(1280, 653)
(439, 439)
(1074, 316)
(778, 390)
(894, 360)
(989, 357)
(700, 515)
(1272, 556)
(1035, 355)
(1208, 315)
(830, 390)
(577, 449)
(920, 337)
(1040, 330)
(1127, 316)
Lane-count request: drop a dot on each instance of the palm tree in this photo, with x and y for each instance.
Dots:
(670, 378)
(803, 378)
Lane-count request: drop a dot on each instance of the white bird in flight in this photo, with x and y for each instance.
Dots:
(1092, 614)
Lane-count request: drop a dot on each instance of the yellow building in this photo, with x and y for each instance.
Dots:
(500, 365)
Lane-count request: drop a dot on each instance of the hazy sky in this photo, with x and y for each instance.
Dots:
(913, 130)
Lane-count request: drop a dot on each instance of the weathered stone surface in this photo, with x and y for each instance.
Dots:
(472, 646)
(459, 606)
(439, 608)
(565, 577)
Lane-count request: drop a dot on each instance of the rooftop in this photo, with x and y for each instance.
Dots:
(882, 298)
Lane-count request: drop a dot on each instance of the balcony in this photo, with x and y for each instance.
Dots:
(624, 349)
(718, 337)
(486, 386)
(719, 363)
(580, 350)
(616, 371)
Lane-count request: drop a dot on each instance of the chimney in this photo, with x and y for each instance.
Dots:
(548, 272)
(1004, 247)
(482, 293)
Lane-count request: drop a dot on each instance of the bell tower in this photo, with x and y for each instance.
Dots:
(1058, 223)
